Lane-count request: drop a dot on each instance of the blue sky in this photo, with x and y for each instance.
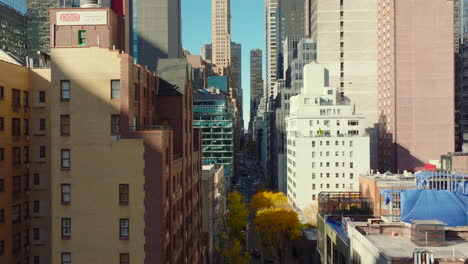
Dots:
(247, 26)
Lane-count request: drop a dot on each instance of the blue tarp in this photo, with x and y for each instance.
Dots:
(446, 206)
(423, 177)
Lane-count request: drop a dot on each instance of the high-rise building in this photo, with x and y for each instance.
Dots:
(272, 46)
(416, 87)
(207, 52)
(214, 115)
(236, 66)
(291, 23)
(327, 144)
(256, 81)
(221, 35)
(461, 77)
(137, 160)
(38, 27)
(346, 35)
(155, 31)
(13, 27)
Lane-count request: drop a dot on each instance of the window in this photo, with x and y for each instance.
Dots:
(65, 90)
(328, 186)
(26, 99)
(2, 123)
(66, 193)
(123, 194)
(313, 175)
(337, 185)
(124, 228)
(16, 184)
(124, 258)
(2, 154)
(135, 91)
(313, 197)
(15, 127)
(36, 179)
(66, 159)
(42, 124)
(2, 92)
(66, 258)
(37, 206)
(16, 213)
(2, 244)
(313, 186)
(26, 182)
(16, 156)
(16, 96)
(351, 175)
(115, 124)
(115, 89)
(36, 234)
(26, 127)
(81, 37)
(66, 228)
(42, 98)
(2, 185)
(42, 152)
(337, 164)
(26, 154)
(2, 215)
(351, 165)
(313, 143)
(26, 210)
(65, 125)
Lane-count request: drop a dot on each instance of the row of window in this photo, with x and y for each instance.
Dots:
(337, 154)
(65, 90)
(327, 186)
(16, 97)
(124, 228)
(16, 154)
(66, 189)
(337, 175)
(16, 126)
(337, 143)
(17, 182)
(327, 164)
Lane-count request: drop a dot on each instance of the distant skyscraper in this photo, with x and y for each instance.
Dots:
(291, 23)
(221, 35)
(416, 82)
(155, 31)
(206, 52)
(236, 65)
(272, 48)
(256, 81)
(12, 28)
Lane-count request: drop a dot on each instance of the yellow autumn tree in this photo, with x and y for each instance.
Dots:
(277, 228)
(234, 254)
(268, 199)
(238, 214)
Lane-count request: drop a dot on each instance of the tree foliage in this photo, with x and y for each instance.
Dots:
(234, 254)
(275, 220)
(238, 214)
(268, 199)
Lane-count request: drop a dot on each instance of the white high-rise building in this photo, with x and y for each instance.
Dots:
(327, 145)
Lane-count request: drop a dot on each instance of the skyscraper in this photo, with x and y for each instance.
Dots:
(155, 31)
(416, 82)
(236, 75)
(206, 52)
(256, 81)
(272, 46)
(348, 46)
(221, 35)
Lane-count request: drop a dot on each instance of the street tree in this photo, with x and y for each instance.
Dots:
(234, 254)
(238, 213)
(268, 199)
(277, 228)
